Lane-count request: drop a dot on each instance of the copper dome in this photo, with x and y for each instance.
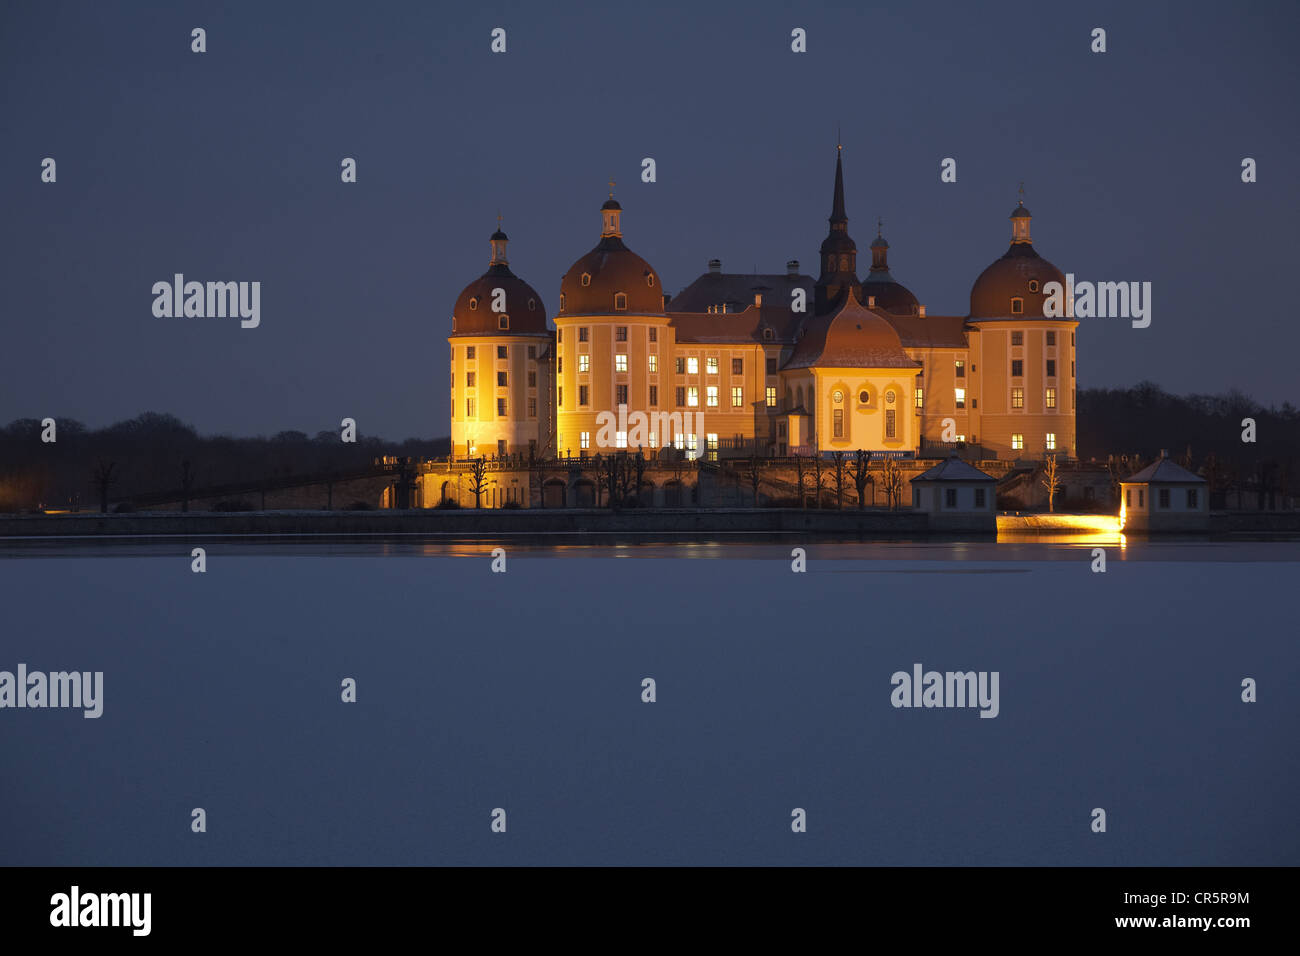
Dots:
(611, 278)
(852, 337)
(525, 313)
(1010, 278)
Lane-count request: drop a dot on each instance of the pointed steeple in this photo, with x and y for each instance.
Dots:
(838, 216)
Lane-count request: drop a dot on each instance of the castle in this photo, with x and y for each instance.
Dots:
(773, 365)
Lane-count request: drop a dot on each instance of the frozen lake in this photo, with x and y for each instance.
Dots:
(523, 691)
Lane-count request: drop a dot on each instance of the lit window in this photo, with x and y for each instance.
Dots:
(711, 396)
(692, 443)
(1017, 306)
(1017, 338)
(584, 363)
(737, 396)
(584, 439)
(620, 439)
(653, 362)
(711, 444)
(1051, 441)
(1051, 398)
(837, 396)
(620, 301)
(1017, 441)
(711, 365)
(693, 365)
(693, 397)
(679, 441)
(620, 362)
(960, 394)
(1017, 397)
(920, 397)
(652, 439)
(771, 396)
(586, 278)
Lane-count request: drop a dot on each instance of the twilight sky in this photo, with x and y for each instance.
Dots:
(225, 166)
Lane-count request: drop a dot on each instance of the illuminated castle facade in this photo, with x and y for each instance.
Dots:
(777, 364)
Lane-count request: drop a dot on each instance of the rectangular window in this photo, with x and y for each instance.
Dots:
(1193, 502)
(654, 395)
(738, 366)
(692, 397)
(470, 378)
(620, 362)
(453, 379)
(979, 497)
(1128, 498)
(837, 423)
(680, 397)
(1051, 368)
(620, 439)
(1017, 441)
(1051, 398)
(920, 397)
(961, 369)
(503, 351)
(692, 443)
(582, 334)
(532, 351)
(620, 333)
(652, 439)
(771, 366)
(693, 365)
(711, 396)
(1017, 338)
(583, 395)
(1017, 368)
(502, 378)
(620, 394)
(469, 353)
(771, 396)
(584, 363)
(1051, 441)
(654, 335)
(653, 362)
(891, 431)
(1142, 498)
(737, 396)
(584, 439)
(1051, 338)
(532, 408)
(711, 445)
(501, 407)
(1018, 397)
(1164, 497)
(559, 365)
(950, 497)
(559, 397)
(681, 365)
(960, 395)
(469, 408)
(711, 365)
(532, 379)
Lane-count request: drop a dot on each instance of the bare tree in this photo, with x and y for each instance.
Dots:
(818, 466)
(892, 481)
(754, 472)
(799, 470)
(103, 477)
(861, 474)
(1051, 481)
(838, 458)
(478, 479)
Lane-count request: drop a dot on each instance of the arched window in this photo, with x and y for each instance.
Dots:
(1033, 285)
(650, 278)
(473, 303)
(1017, 306)
(561, 301)
(768, 335)
(586, 278)
(620, 301)
(503, 321)
(532, 305)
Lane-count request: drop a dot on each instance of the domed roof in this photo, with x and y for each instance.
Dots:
(891, 295)
(593, 282)
(852, 337)
(524, 312)
(1021, 273)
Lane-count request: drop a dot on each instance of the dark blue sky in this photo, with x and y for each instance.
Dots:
(225, 166)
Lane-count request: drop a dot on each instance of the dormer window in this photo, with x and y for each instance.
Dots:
(620, 301)
(586, 278)
(473, 303)
(768, 336)
(532, 305)
(503, 321)
(650, 279)
(1033, 285)
(1017, 306)
(561, 301)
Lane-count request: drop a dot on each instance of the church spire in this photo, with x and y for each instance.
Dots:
(839, 253)
(838, 216)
